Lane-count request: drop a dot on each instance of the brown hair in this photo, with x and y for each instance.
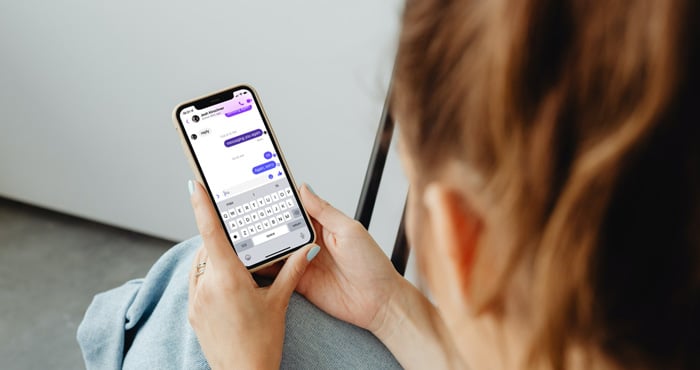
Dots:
(580, 117)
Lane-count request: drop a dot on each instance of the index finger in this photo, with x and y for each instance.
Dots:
(215, 241)
(328, 216)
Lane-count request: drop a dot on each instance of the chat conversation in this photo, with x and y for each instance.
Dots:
(243, 138)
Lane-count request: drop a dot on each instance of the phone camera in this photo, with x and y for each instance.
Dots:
(195, 118)
(194, 136)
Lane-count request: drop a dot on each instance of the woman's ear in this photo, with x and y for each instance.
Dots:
(455, 228)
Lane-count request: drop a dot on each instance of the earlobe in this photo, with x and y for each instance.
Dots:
(455, 228)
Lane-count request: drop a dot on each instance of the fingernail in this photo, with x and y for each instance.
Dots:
(312, 253)
(190, 186)
(310, 189)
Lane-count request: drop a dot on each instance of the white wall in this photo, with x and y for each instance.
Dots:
(87, 88)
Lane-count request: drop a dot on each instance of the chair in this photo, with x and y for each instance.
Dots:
(370, 187)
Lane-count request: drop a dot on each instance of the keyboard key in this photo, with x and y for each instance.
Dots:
(232, 213)
(261, 213)
(275, 208)
(247, 219)
(251, 229)
(246, 208)
(281, 194)
(290, 204)
(240, 222)
(244, 233)
(287, 216)
(234, 236)
(253, 205)
(233, 225)
(296, 212)
(283, 205)
(270, 234)
(268, 211)
(266, 224)
(288, 191)
(254, 216)
(268, 199)
(239, 211)
(258, 227)
(273, 221)
(243, 245)
(261, 202)
(275, 197)
(296, 224)
(225, 216)
(280, 219)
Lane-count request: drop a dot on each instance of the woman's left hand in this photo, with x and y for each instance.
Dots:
(238, 324)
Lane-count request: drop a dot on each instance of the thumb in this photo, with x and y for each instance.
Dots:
(293, 270)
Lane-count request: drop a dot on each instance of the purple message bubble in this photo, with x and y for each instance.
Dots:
(264, 167)
(243, 138)
(239, 111)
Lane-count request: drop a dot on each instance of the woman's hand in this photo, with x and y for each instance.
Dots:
(238, 324)
(352, 279)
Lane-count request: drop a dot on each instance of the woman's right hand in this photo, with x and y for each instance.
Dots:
(351, 279)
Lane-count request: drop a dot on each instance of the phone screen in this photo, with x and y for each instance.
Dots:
(247, 178)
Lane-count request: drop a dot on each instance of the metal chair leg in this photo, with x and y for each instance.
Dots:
(370, 187)
(399, 255)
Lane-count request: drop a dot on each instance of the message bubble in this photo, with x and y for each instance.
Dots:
(243, 138)
(268, 155)
(264, 167)
(239, 111)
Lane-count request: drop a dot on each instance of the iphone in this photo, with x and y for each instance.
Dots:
(234, 153)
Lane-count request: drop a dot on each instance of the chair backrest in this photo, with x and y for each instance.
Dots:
(370, 187)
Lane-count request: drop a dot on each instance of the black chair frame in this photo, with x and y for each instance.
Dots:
(370, 187)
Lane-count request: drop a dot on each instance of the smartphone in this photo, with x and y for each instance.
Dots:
(233, 151)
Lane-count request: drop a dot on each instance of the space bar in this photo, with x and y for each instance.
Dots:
(270, 234)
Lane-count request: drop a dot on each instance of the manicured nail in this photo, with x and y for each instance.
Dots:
(310, 189)
(312, 253)
(190, 186)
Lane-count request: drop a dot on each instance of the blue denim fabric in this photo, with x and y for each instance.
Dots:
(143, 325)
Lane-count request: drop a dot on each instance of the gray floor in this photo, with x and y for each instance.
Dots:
(50, 267)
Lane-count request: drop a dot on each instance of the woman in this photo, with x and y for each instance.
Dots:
(552, 151)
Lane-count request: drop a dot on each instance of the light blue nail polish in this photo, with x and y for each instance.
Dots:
(312, 253)
(311, 189)
(190, 186)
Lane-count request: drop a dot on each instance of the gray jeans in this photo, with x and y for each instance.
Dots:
(143, 325)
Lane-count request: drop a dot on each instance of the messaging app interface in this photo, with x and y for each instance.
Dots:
(246, 178)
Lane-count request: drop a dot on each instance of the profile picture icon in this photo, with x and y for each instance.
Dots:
(195, 118)
(194, 136)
